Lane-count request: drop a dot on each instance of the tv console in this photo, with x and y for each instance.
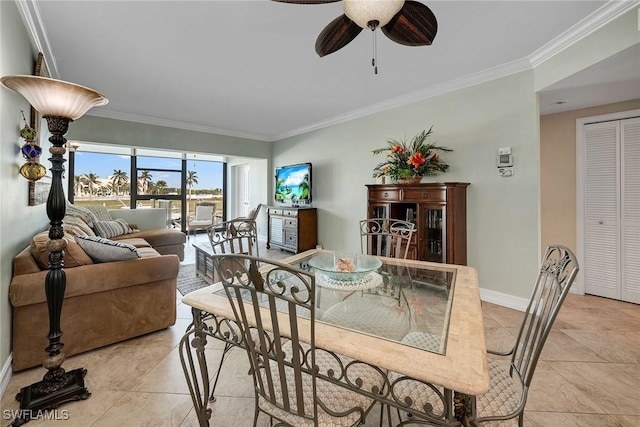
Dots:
(293, 229)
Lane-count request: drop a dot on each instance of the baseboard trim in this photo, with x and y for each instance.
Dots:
(504, 300)
(5, 375)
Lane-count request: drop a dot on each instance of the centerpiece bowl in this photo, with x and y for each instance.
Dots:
(345, 267)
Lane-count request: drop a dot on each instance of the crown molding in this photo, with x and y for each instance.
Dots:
(483, 76)
(107, 114)
(596, 20)
(30, 13)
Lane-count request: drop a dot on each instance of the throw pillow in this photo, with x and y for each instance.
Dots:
(105, 250)
(114, 228)
(81, 212)
(100, 212)
(76, 226)
(74, 256)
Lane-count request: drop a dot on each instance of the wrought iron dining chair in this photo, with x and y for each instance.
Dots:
(237, 236)
(289, 373)
(509, 382)
(386, 237)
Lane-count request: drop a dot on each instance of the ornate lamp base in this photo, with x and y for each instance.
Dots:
(56, 387)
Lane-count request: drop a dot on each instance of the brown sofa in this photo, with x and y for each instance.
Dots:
(104, 302)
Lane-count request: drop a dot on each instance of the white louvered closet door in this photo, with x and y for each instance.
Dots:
(630, 209)
(601, 210)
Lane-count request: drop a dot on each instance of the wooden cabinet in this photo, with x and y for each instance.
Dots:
(439, 211)
(292, 229)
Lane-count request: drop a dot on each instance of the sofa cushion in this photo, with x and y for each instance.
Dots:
(157, 237)
(81, 212)
(100, 212)
(105, 250)
(76, 226)
(148, 252)
(74, 256)
(136, 241)
(110, 229)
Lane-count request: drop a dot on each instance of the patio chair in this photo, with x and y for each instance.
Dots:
(288, 370)
(509, 381)
(386, 237)
(203, 218)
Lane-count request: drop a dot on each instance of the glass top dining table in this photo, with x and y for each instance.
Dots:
(397, 301)
(422, 320)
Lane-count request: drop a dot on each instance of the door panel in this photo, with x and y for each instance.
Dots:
(432, 235)
(601, 222)
(630, 187)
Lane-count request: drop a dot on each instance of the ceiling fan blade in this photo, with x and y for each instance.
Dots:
(336, 35)
(414, 25)
(306, 1)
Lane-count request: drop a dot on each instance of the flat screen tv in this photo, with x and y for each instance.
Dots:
(293, 184)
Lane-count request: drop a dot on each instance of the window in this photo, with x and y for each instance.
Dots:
(173, 180)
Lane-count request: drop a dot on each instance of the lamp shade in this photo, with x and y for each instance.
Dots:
(363, 11)
(53, 97)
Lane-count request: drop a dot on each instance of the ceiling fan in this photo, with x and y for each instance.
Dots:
(406, 22)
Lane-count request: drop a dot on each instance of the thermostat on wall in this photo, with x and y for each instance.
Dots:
(504, 160)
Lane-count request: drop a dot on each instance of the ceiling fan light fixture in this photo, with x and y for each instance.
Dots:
(364, 11)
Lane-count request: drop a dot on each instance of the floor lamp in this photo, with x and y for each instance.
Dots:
(59, 103)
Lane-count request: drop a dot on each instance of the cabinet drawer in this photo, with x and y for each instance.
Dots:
(290, 213)
(291, 223)
(275, 211)
(386, 195)
(436, 195)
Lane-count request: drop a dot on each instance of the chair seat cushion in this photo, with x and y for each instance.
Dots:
(392, 321)
(334, 397)
(504, 395)
(424, 398)
(200, 223)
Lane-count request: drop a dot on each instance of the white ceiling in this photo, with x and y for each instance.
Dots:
(248, 68)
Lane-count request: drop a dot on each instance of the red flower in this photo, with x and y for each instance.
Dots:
(417, 160)
(398, 148)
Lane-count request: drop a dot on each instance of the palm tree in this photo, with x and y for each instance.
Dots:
(143, 181)
(192, 178)
(92, 181)
(304, 187)
(119, 177)
(161, 186)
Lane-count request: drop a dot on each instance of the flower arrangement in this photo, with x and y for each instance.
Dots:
(413, 159)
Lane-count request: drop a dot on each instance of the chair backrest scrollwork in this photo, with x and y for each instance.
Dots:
(386, 237)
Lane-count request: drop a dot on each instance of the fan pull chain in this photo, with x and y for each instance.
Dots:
(373, 24)
(374, 60)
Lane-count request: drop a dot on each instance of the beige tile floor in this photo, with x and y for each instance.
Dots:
(589, 374)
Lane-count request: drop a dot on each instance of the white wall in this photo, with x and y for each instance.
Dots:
(503, 213)
(18, 221)
(111, 131)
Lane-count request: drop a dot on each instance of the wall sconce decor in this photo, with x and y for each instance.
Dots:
(59, 102)
(32, 170)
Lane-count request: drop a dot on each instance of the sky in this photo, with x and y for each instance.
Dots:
(209, 174)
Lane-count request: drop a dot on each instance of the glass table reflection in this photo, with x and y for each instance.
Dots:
(397, 302)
